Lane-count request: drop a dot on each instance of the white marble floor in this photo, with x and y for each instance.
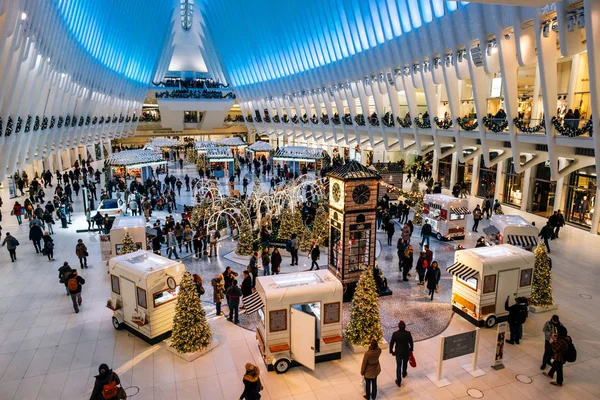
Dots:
(49, 352)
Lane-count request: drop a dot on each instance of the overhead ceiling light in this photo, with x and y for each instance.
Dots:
(23, 16)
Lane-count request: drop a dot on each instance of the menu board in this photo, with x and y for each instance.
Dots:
(278, 320)
(331, 313)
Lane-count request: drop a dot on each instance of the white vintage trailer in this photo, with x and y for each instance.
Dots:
(136, 226)
(301, 320)
(512, 229)
(144, 288)
(447, 215)
(483, 277)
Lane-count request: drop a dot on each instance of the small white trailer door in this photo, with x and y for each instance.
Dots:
(508, 282)
(303, 338)
(128, 290)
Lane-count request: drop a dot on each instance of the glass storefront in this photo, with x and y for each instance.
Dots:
(543, 191)
(444, 171)
(581, 197)
(487, 178)
(512, 192)
(465, 172)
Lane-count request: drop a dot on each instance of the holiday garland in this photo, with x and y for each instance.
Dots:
(465, 125)
(525, 128)
(347, 119)
(572, 132)
(443, 123)
(388, 120)
(360, 120)
(336, 119)
(423, 124)
(404, 123)
(494, 126)
(325, 119)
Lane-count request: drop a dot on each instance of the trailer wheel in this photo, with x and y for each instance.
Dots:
(281, 366)
(490, 321)
(116, 324)
(439, 236)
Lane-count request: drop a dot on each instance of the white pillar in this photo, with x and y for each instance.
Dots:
(475, 177)
(435, 165)
(453, 169)
(560, 187)
(596, 216)
(526, 191)
(500, 177)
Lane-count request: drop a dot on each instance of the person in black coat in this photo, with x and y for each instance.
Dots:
(517, 315)
(252, 384)
(48, 246)
(315, 254)
(546, 233)
(246, 284)
(432, 277)
(390, 229)
(106, 384)
(74, 282)
(233, 301)
(35, 235)
(401, 346)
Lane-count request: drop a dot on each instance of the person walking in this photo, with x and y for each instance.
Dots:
(401, 346)
(517, 315)
(266, 261)
(547, 232)
(550, 329)
(48, 248)
(560, 222)
(252, 384)
(172, 245)
(426, 230)
(106, 385)
(17, 211)
(74, 282)
(198, 282)
(218, 292)
(276, 260)
(432, 277)
(63, 272)
(233, 301)
(82, 253)
(560, 346)
(315, 254)
(35, 235)
(253, 265)
(422, 264)
(49, 221)
(213, 238)
(390, 229)
(407, 262)
(294, 246)
(477, 216)
(11, 243)
(370, 369)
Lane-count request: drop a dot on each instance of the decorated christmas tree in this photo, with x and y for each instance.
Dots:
(191, 331)
(290, 223)
(305, 239)
(191, 155)
(320, 228)
(128, 245)
(364, 323)
(416, 201)
(245, 240)
(541, 288)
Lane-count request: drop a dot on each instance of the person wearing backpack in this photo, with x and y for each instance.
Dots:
(517, 315)
(11, 243)
(74, 282)
(106, 386)
(560, 349)
(549, 329)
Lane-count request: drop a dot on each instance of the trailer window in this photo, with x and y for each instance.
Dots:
(277, 321)
(456, 217)
(141, 298)
(526, 275)
(115, 284)
(489, 284)
(471, 282)
(165, 296)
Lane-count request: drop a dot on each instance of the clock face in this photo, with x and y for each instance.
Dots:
(336, 192)
(171, 283)
(361, 194)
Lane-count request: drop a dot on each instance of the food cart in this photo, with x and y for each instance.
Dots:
(235, 144)
(136, 226)
(483, 277)
(299, 157)
(511, 229)
(446, 215)
(301, 320)
(144, 287)
(136, 164)
(261, 149)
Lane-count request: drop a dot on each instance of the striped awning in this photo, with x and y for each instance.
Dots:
(252, 303)
(523, 241)
(460, 210)
(491, 230)
(461, 271)
(435, 206)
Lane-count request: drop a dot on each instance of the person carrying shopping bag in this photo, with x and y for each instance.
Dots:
(370, 369)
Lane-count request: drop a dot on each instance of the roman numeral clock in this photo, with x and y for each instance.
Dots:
(352, 234)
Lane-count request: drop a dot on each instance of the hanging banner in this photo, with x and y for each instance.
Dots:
(105, 247)
(499, 354)
(12, 187)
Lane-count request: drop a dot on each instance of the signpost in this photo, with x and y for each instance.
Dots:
(499, 353)
(457, 346)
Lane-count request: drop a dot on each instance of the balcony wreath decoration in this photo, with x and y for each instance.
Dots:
(388, 120)
(44, 123)
(114, 119)
(347, 119)
(121, 118)
(295, 119)
(304, 119)
(404, 123)
(101, 120)
(525, 128)
(276, 119)
(28, 124)
(314, 119)
(18, 125)
(443, 123)
(36, 124)
(267, 119)
(128, 118)
(61, 121)
(465, 125)
(423, 124)
(336, 119)
(325, 119)
(81, 121)
(74, 121)
(360, 120)
(285, 119)
(249, 118)
(571, 132)
(9, 127)
(94, 120)
(494, 126)
(374, 119)
(258, 117)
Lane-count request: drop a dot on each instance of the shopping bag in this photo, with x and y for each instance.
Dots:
(363, 383)
(412, 361)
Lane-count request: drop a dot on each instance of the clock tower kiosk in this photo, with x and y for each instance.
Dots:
(352, 232)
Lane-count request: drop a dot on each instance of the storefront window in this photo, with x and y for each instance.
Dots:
(581, 197)
(513, 185)
(465, 172)
(487, 178)
(544, 190)
(444, 171)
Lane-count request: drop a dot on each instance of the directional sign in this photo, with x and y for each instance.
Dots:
(459, 345)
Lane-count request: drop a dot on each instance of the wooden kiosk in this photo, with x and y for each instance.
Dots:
(301, 320)
(352, 234)
(144, 288)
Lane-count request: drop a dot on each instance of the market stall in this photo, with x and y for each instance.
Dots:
(134, 163)
(167, 146)
(144, 288)
(512, 229)
(202, 146)
(299, 158)
(484, 277)
(220, 161)
(446, 215)
(236, 144)
(301, 319)
(135, 226)
(261, 149)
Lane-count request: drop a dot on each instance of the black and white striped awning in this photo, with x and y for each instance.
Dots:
(435, 206)
(252, 303)
(460, 210)
(491, 230)
(461, 271)
(524, 241)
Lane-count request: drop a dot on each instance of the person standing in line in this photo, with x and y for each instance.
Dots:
(35, 235)
(422, 264)
(560, 346)
(48, 246)
(74, 282)
(275, 262)
(246, 284)
(233, 301)
(82, 253)
(254, 267)
(425, 233)
(550, 329)
(218, 292)
(11, 243)
(266, 262)
(315, 254)
(517, 315)
(370, 369)
(106, 384)
(390, 229)
(401, 346)
(477, 216)
(295, 245)
(432, 277)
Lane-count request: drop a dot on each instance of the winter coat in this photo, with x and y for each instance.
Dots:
(401, 343)
(266, 259)
(247, 286)
(433, 277)
(370, 367)
(549, 329)
(80, 281)
(476, 214)
(276, 261)
(426, 229)
(252, 388)
(559, 349)
(517, 313)
(406, 232)
(11, 242)
(295, 243)
(218, 290)
(315, 253)
(81, 250)
(35, 233)
(101, 380)
(233, 296)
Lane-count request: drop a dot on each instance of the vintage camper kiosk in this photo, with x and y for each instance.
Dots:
(512, 229)
(447, 215)
(301, 320)
(144, 289)
(136, 226)
(483, 277)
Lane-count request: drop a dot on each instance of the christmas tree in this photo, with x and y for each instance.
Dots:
(320, 228)
(245, 240)
(416, 201)
(305, 238)
(364, 323)
(541, 289)
(191, 155)
(128, 245)
(191, 331)
(290, 223)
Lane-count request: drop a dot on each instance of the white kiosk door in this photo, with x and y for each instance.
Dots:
(303, 336)
(508, 282)
(128, 290)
